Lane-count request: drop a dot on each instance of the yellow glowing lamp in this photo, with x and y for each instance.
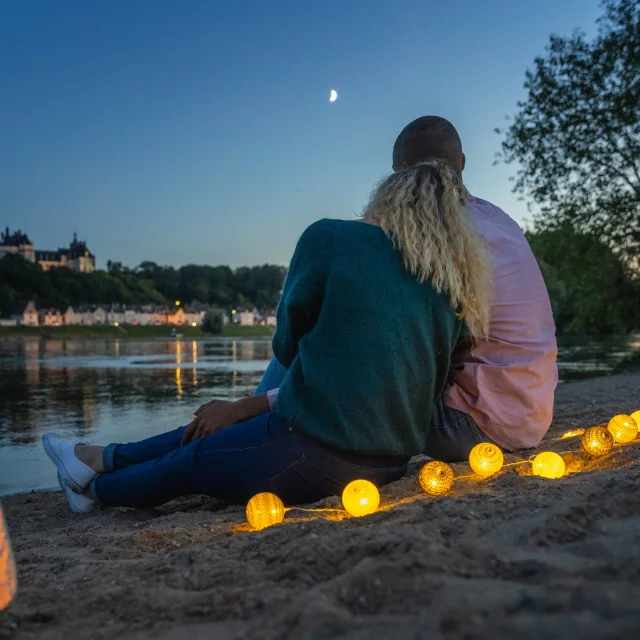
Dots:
(623, 428)
(116, 324)
(360, 498)
(265, 510)
(597, 441)
(436, 478)
(548, 465)
(193, 324)
(486, 459)
(177, 303)
(636, 416)
(233, 312)
(7, 567)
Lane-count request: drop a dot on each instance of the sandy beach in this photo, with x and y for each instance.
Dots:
(514, 555)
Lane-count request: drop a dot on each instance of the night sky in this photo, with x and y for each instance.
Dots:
(202, 132)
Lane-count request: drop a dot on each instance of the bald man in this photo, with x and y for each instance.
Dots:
(500, 390)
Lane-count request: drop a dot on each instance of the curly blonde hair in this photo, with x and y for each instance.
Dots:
(423, 209)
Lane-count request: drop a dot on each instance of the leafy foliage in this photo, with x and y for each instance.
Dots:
(590, 288)
(213, 322)
(148, 283)
(577, 134)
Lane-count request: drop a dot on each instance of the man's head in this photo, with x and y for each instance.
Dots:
(426, 138)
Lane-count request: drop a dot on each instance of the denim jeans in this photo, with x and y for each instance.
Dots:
(452, 436)
(262, 454)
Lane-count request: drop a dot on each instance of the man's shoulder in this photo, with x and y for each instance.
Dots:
(492, 218)
(486, 209)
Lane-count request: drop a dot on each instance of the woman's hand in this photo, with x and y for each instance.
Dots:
(219, 414)
(204, 406)
(211, 417)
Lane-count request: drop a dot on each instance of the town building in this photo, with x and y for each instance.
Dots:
(246, 318)
(77, 256)
(27, 315)
(50, 318)
(16, 243)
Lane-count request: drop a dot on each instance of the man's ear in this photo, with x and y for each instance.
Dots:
(464, 161)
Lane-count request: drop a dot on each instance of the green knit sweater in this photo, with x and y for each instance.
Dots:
(366, 346)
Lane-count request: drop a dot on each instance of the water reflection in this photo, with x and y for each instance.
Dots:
(123, 390)
(583, 357)
(106, 390)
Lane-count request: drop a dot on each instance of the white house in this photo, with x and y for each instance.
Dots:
(8, 322)
(246, 318)
(271, 321)
(130, 316)
(151, 316)
(83, 316)
(99, 315)
(115, 314)
(29, 315)
(69, 316)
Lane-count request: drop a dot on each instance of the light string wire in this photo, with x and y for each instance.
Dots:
(420, 496)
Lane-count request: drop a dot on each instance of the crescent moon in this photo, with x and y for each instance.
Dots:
(333, 96)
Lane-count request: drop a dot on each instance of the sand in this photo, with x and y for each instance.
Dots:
(512, 556)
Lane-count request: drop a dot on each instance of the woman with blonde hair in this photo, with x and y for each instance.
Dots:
(370, 315)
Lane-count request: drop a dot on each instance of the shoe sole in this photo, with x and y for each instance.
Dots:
(66, 489)
(59, 464)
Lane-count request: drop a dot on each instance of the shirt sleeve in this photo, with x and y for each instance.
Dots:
(272, 396)
(303, 291)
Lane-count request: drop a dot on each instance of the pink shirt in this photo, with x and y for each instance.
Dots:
(507, 383)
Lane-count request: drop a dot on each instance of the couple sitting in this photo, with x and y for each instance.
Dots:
(423, 328)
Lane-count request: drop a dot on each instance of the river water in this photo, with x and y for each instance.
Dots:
(124, 390)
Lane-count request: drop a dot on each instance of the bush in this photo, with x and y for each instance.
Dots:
(213, 322)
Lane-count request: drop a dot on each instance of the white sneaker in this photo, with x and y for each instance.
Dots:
(78, 503)
(74, 472)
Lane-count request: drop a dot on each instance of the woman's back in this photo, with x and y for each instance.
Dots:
(367, 345)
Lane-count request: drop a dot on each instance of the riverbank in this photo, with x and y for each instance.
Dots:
(130, 331)
(511, 556)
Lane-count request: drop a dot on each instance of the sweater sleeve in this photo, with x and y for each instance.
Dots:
(303, 291)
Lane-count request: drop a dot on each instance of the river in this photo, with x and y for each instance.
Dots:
(124, 390)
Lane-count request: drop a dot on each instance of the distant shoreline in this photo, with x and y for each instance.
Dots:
(128, 332)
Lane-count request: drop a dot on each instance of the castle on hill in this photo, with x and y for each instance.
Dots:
(76, 257)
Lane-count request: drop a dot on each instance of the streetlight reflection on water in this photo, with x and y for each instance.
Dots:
(178, 370)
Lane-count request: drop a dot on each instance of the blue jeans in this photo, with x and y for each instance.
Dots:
(452, 436)
(262, 454)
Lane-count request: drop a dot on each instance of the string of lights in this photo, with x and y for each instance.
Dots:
(361, 497)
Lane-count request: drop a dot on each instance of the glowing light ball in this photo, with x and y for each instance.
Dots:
(436, 478)
(597, 441)
(7, 567)
(548, 465)
(265, 510)
(360, 498)
(636, 416)
(623, 428)
(486, 459)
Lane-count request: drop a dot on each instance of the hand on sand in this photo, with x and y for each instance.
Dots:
(211, 417)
